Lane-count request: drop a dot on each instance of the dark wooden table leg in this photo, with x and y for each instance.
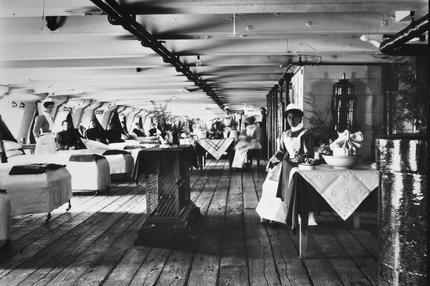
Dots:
(48, 217)
(230, 157)
(69, 207)
(356, 220)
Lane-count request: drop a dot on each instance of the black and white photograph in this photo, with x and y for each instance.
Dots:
(214, 142)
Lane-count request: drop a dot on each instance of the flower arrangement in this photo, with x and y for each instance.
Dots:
(170, 126)
(159, 115)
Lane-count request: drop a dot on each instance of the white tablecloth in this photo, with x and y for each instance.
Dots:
(343, 189)
(215, 147)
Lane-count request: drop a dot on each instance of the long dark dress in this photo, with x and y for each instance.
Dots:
(275, 188)
(67, 140)
(114, 136)
(304, 147)
(96, 135)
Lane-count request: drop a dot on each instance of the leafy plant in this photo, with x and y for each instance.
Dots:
(170, 126)
(412, 100)
(320, 119)
(160, 114)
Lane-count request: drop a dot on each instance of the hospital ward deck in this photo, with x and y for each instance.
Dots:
(93, 244)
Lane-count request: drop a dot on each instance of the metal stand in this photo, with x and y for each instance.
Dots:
(173, 219)
(173, 232)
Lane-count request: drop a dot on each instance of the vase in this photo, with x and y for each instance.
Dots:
(172, 137)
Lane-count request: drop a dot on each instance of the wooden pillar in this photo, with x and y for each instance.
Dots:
(269, 124)
(274, 118)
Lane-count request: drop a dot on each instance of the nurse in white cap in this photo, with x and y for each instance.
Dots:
(43, 130)
(229, 123)
(294, 142)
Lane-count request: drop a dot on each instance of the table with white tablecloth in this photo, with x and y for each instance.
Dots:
(216, 147)
(325, 188)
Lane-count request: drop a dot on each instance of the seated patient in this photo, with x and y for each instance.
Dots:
(137, 131)
(113, 134)
(124, 131)
(67, 138)
(154, 130)
(96, 134)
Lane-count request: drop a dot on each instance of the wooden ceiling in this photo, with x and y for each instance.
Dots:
(241, 48)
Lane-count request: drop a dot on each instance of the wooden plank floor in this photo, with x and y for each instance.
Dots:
(93, 244)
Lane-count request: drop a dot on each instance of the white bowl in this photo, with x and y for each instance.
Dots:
(341, 162)
(306, 167)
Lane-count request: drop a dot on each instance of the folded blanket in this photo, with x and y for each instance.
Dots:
(85, 158)
(115, 152)
(37, 168)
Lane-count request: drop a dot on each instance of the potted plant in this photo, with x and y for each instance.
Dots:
(412, 101)
(169, 125)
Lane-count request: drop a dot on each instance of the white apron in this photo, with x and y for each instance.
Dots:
(45, 143)
(270, 207)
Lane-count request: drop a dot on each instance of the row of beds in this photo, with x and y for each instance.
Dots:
(87, 170)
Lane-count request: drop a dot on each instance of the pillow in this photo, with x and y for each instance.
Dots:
(95, 146)
(13, 153)
(116, 146)
(11, 145)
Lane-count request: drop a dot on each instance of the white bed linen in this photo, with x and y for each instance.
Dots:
(86, 176)
(38, 193)
(119, 163)
(130, 142)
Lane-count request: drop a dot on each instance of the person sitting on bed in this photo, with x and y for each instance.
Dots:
(138, 132)
(96, 134)
(67, 139)
(154, 130)
(113, 134)
(124, 131)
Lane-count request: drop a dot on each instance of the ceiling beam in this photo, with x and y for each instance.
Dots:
(119, 16)
(28, 8)
(268, 6)
(182, 26)
(49, 74)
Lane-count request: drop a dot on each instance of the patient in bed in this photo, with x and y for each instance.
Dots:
(67, 139)
(113, 134)
(96, 134)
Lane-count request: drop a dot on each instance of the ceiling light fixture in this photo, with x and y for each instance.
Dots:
(54, 22)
